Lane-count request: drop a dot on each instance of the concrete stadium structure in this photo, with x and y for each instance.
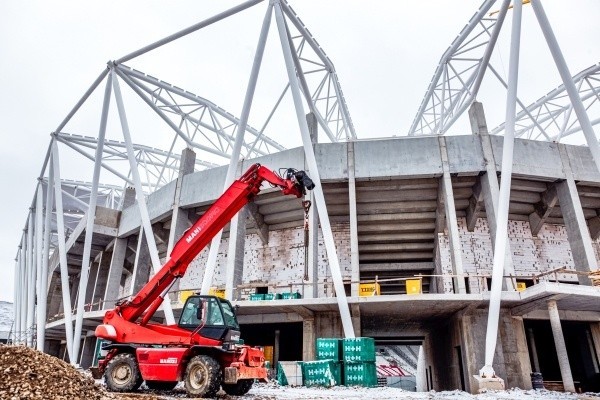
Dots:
(425, 210)
(423, 207)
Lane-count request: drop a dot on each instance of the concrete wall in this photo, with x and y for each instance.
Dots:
(277, 263)
(531, 255)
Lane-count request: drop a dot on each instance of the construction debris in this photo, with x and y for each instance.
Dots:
(32, 375)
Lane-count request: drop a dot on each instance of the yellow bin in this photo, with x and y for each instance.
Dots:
(413, 286)
(521, 286)
(184, 294)
(369, 289)
(217, 292)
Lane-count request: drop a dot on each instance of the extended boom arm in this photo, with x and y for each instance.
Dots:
(196, 238)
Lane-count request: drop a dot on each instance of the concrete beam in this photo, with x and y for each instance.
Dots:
(543, 208)
(474, 207)
(594, 226)
(578, 234)
(258, 221)
(235, 258)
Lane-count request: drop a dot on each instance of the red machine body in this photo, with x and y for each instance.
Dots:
(162, 352)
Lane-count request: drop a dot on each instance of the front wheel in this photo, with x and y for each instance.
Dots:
(123, 374)
(202, 377)
(238, 389)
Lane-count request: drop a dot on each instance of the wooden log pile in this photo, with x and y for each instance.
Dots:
(30, 374)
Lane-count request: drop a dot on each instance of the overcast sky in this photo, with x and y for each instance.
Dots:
(385, 53)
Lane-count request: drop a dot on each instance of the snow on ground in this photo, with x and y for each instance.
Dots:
(268, 392)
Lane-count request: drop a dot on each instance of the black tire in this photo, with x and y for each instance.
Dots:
(238, 389)
(161, 385)
(202, 377)
(122, 373)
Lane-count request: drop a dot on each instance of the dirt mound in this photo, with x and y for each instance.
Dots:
(29, 374)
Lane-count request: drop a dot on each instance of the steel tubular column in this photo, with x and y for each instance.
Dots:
(91, 216)
(15, 325)
(170, 320)
(23, 287)
(39, 237)
(42, 300)
(30, 280)
(312, 166)
(504, 197)
(62, 252)
(209, 271)
(561, 65)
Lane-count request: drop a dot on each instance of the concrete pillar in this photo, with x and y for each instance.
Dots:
(595, 332)
(143, 264)
(489, 185)
(102, 279)
(74, 288)
(308, 339)
(451, 222)
(533, 350)
(91, 284)
(561, 348)
(354, 252)
(276, 347)
(113, 283)
(312, 269)
(87, 351)
(355, 308)
(235, 258)
(180, 218)
(577, 231)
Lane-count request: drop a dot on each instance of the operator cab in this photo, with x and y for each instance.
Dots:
(212, 316)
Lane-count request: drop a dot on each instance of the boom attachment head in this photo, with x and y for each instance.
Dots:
(301, 178)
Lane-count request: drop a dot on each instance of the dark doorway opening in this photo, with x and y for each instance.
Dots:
(290, 338)
(580, 350)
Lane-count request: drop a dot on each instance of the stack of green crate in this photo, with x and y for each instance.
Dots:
(359, 362)
(329, 349)
(272, 296)
(290, 295)
(257, 296)
(322, 373)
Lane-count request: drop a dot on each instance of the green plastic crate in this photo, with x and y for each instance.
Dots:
(290, 295)
(272, 296)
(329, 349)
(360, 349)
(257, 296)
(322, 373)
(360, 374)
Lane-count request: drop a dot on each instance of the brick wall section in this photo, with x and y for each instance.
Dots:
(531, 255)
(278, 263)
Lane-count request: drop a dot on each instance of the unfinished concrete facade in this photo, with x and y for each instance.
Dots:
(405, 228)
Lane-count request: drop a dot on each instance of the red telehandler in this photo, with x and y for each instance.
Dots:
(202, 349)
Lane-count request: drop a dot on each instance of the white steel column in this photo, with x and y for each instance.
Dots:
(312, 166)
(62, 252)
(139, 192)
(42, 300)
(91, 216)
(15, 325)
(39, 237)
(237, 146)
(30, 280)
(563, 69)
(22, 288)
(561, 348)
(504, 199)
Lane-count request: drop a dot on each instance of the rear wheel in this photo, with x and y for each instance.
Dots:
(161, 385)
(202, 376)
(123, 374)
(238, 389)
